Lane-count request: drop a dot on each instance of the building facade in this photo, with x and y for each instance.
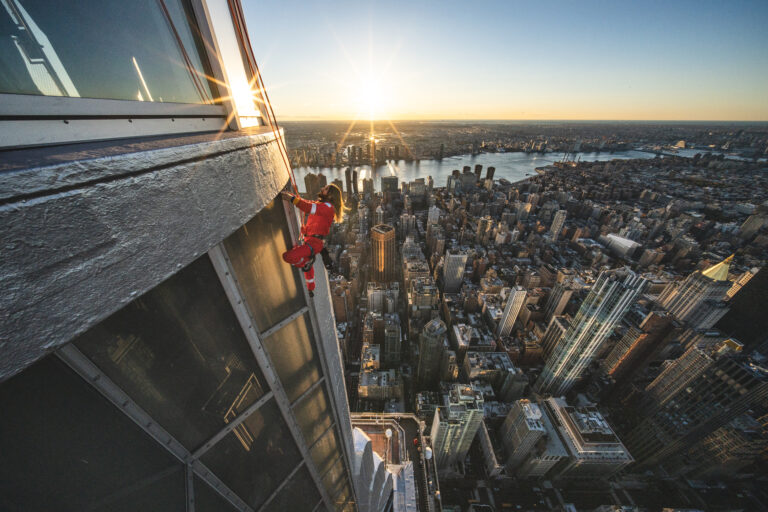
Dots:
(383, 253)
(455, 424)
(608, 301)
(158, 353)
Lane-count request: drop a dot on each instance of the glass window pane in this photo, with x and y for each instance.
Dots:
(255, 458)
(325, 451)
(313, 414)
(179, 352)
(146, 50)
(299, 493)
(271, 287)
(342, 496)
(65, 447)
(292, 352)
(208, 500)
(333, 479)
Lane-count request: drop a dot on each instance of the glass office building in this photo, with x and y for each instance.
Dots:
(156, 353)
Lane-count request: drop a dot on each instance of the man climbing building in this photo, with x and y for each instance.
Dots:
(320, 216)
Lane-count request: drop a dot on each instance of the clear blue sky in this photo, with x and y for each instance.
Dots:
(513, 59)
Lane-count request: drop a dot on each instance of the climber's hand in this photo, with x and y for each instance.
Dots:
(286, 196)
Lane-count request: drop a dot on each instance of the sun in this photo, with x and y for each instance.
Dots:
(372, 99)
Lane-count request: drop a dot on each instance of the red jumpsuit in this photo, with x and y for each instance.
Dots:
(320, 216)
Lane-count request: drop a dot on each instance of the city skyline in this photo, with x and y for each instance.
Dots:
(516, 61)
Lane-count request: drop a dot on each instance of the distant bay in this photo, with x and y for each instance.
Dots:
(510, 166)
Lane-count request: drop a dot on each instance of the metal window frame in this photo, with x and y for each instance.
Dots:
(35, 120)
(86, 369)
(223, 266)
(294, 227)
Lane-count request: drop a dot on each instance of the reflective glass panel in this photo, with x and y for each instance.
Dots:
(326, 451)
(334, 478)
(208, 500)
(342, 498)
(146, 50)
(313, 414)
(179, 352)
(299, 493)
(65, 447)
(255, 458)
(293, 355)
(271, 287)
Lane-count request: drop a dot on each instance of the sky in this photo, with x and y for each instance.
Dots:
(537, 59)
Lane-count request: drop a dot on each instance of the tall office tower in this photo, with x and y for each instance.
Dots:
(548, 452)
(610, 298)
(378, 215)
(355, 183)
(484, 226)
(367, 187)
(678, 374)
(594, 449)
(557, 224)
(521, 430)
(391, 347)
(383, 297)
(407, 225)
(383, 253)
(390, 187)
(515, 300)
(632, 350)
(433, 217)
(414, 269)
(727, 388)
(449, 364)
(372, 151)
(746, 318)
(430, 349)
(689, 300)
(723, 454)
(156, 349)
(313, 183)
(348, 180)
(558, 299)
(423, 298)
(453, 271)
(554, 334)
(740, 282)
(455, 424)
(489, 173)
(523, 210)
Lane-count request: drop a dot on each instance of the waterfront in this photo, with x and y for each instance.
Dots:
(510, 166)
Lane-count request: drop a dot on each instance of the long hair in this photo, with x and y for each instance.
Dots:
(336, 198)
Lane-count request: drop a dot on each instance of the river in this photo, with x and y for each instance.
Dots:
(510, 166)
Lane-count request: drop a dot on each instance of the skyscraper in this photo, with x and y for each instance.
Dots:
(558, 299)
(690, 300)
(453, 271)
(555, 332)
(557, 224)
(515, 301)
(725, 389)
(632, 349)
(430, 349)
(158, 351)
(455, 424)
(521, 430)
(383, 253)
(389, 187)
(608, 300)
